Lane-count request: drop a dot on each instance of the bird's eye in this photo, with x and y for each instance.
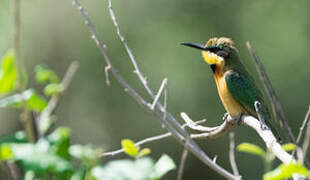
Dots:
(222, 53)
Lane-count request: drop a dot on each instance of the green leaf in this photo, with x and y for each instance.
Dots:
(60, 142)
(130, 148)
(144, 152)
(6, 152)
(285, 171)
(89, 155)
(162, 166)
(8, 73)
(251, 149)
(289, 147)
(52, 89)
(34, 101)
(44, 75)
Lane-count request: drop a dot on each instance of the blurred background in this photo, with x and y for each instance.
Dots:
(54, 34)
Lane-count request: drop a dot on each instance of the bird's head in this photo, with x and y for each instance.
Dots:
(216, 50)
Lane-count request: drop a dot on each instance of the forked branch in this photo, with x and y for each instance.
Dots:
(170, 123)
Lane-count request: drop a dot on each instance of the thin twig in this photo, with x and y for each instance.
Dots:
(214, 159)
(194, 125)
(269, 139)
(162, 87)
(182, 164)
(209, 132)
(15, 171)
(165, 106)
(150, 139)
(129, 51)
(171, 123)
(24, 116)
(54, 99)
(276, 106)
(102, 47)
(146, 140)
(301, 129)
(106, 71)
(232, 154)
(305, 145)
(16, 36)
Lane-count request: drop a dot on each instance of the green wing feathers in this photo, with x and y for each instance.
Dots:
(243, 89)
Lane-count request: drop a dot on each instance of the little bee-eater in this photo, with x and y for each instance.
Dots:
(235, 85)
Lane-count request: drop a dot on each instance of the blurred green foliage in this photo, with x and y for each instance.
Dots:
(284, 171)
(50, 156)
(54, 34)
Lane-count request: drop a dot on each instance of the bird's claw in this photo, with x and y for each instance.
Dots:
(239, 120)
(263, 126)
(225, 116)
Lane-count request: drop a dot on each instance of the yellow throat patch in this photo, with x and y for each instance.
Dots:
(212, 58)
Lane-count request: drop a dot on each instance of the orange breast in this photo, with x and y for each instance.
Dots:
(233, 108)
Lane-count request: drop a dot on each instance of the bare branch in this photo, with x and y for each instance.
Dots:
(102, 47)
(214, 159)
(16, 36)
(164, 109)
(305, 145)
(276, 106)
(209, 132)
(147, 140)
(14, 169)
(24, 116)
(182, 164)
(106, 71)
(269, 139)
(301, 129)
(266, 134)
(170, 123)
(150, 139)
(129, 51)
(162, 87)
(193, 125)
(232, 154)
(44, 116)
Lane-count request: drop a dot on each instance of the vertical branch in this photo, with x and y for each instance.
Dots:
(14, 171)
(275, 105)
(306, 141)
(16, 41)
(182, 164)
(232, 154)
(29, 126)
(303, 125)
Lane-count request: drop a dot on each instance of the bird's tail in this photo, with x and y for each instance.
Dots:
(270, 123)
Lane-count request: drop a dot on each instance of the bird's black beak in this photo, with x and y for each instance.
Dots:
(194, 45)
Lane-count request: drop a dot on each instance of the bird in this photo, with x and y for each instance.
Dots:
(235, 85)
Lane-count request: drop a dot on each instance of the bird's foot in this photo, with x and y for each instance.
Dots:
(239, 120)
(263, 126)
(225, 117)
